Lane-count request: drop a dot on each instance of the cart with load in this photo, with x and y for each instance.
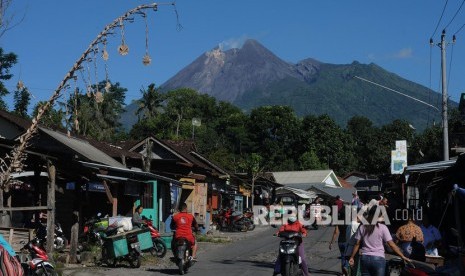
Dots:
(126, 246)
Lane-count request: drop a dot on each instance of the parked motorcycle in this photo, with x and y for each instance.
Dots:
(182, 255)
(159, 246)
(92, 233)
(234, 221)
(38, 263)
(248, 220)
(59, 242)
(288, 257)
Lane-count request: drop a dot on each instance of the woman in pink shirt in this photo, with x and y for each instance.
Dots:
(370, 239)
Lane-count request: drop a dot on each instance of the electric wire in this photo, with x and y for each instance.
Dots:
(458, 10)
(440, 18)
(459, 29)
(430, 79)
(395, 91)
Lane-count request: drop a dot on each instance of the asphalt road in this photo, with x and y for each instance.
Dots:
(251, 253)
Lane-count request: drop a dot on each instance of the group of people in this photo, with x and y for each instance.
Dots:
(362, 245)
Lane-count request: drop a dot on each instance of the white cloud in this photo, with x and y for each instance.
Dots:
(232, 43)
(404, 53)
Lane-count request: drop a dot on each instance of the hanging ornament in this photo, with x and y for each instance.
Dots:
(146, 60)
(107, 86)
(105, 54)
(123, 49)
(20, 85)
(89, 91)
(99, 97)
(76, 124)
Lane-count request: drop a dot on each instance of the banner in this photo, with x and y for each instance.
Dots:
(399, 157)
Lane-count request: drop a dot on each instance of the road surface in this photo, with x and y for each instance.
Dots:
(252, 253)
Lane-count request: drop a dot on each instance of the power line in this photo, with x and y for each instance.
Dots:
(395, 91)
(458, 10)
(439, 21)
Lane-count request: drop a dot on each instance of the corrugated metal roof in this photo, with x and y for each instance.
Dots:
(298, 192)
(431, 166)
(291, 177)
(344, 193)
(83, 148)
(129, 173)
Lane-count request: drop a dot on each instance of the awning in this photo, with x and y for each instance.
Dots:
(124, 174)
(83, 148)
(434, 166)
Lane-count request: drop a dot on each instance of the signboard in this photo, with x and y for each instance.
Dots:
(399, 157)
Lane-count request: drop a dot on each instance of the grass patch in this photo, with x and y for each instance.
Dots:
(213, 239)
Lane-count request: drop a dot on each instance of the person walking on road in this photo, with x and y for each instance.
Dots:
(370, 239)
(340, 234)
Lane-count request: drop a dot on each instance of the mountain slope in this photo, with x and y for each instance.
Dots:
(253, 76)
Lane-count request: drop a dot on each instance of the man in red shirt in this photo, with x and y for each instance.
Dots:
(183, 223)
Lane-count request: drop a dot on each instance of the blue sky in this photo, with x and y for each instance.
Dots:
(393, 34)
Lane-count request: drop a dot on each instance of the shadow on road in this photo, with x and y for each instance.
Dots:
(271, 266)
(167, 271)
(254, 263)
(323, 271)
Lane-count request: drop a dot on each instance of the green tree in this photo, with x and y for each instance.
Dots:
(333, 146)
(179, 110)
(150, 103)
(22, 98)
(428, 146)
(309, 161)
(6, 62)
(363, 132)
(273, 131)
(98, 115)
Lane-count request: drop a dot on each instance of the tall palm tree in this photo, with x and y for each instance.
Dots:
(150, 103)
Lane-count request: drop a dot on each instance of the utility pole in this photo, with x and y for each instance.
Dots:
(445, 124)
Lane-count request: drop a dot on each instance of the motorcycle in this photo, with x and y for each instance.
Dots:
(59, 241)
(38, 263)
(133, 257)
(396, 266)
(182, 251)
(92, 233)
(159, 246)
(234, 221)
(248, 220)
(288, 258)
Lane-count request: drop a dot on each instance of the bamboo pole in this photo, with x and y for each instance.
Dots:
(14, 161)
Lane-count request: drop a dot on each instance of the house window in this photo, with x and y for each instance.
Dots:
(147, 196)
